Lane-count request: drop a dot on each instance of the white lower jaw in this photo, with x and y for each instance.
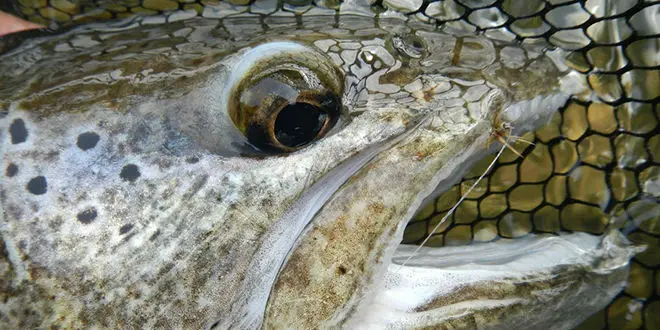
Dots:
(544, 282)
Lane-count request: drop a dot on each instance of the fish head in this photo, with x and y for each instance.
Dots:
(238, 172)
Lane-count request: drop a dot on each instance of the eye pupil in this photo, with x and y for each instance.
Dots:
(298, 124)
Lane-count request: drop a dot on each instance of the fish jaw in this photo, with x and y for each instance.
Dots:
(340, 260)
(349, 242)
(538, 282)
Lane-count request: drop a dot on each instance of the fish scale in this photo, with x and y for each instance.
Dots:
(607, 37)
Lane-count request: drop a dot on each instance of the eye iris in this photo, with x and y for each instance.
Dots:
(298, 124)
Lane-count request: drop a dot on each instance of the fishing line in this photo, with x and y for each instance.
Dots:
(504, 146)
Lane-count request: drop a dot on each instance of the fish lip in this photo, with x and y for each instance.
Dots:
(440, 282)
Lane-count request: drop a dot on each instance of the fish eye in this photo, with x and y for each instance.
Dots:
(284, 96)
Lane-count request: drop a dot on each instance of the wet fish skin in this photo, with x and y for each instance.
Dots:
(183, 234)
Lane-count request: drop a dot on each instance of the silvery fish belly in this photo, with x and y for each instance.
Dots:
(393, 164)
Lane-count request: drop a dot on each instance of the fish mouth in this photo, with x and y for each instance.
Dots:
(379, 283)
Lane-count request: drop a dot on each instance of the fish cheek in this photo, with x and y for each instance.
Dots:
(330, 265)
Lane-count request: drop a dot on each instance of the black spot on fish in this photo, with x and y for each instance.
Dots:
(37, 185)
(130, 173)
(154, 235)
(125, 229)
(18, 131)
(11, 170)
(87, 140)
(87, 216)
(192, 160)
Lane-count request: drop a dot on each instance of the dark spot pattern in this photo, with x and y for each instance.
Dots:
(130, 173)
(18, 131)
(154, 235)
(125, 228)
(87, 216)
(192, 160)
(37, 185)
(87, 140)
(11, 170)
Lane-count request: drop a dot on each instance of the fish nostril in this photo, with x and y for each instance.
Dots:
(410, 46)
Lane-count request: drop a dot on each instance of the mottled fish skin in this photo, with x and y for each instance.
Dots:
(171, 231)
(124, 208)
